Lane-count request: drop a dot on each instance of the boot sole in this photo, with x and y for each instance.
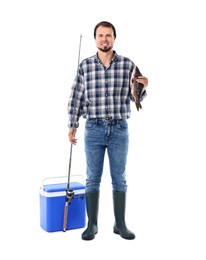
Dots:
(89, 237)
(125, 237)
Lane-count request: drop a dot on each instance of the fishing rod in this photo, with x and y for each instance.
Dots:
(69, 192)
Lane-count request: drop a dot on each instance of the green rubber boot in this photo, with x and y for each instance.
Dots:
(92, 205)
(119, 202)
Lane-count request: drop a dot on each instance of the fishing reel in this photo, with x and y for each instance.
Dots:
(69, 196)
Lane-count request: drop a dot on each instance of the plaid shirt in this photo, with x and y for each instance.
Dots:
(100, 92)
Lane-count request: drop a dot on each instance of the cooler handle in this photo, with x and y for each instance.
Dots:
(61, 177)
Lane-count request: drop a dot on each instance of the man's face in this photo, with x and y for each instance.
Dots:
(104, 38)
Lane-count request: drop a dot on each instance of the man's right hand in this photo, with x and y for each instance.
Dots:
(71, 135)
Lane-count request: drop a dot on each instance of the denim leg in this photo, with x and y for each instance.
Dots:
(117, 153)
(94, 138)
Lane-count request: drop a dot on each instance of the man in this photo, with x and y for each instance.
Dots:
(101, 93)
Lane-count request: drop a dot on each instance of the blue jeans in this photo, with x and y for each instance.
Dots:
(101, 135)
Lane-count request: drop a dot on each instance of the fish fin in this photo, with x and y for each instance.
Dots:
(138, 105)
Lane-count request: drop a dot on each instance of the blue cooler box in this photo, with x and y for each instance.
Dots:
(52, 203)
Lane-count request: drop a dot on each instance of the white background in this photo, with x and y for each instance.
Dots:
(166, 163)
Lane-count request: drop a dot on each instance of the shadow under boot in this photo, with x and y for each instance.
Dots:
(119, 203)
(92, 206)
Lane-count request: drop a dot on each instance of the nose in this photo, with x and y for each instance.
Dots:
(104, 38)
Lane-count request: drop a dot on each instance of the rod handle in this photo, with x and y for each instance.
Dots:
(65, 217)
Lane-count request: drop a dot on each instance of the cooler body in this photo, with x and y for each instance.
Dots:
(52, 204)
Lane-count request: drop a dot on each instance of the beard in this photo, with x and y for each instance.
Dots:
(105, 49)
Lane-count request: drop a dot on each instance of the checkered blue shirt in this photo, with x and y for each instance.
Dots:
(99, 92)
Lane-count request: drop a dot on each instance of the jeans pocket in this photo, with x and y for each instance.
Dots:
(122, 124)
(90, 124)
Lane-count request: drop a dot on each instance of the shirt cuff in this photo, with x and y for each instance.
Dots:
(72, 124)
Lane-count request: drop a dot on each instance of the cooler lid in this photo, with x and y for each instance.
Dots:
(62, 187)
(59, 189)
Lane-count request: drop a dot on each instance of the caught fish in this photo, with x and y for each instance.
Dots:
(137, 89)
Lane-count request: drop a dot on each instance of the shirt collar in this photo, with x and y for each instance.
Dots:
(114, 59)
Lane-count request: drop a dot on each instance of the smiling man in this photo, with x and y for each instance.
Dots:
(101, 94)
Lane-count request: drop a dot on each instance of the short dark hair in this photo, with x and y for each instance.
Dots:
(105, 24)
